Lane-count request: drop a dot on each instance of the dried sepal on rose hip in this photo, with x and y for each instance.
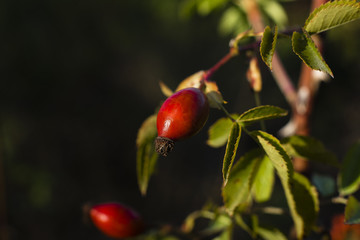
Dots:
(116, 220)
(181, 116)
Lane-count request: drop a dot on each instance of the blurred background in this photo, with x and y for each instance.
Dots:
(79, 77)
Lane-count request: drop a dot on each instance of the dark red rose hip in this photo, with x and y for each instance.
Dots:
(116, 220)
(182, 115)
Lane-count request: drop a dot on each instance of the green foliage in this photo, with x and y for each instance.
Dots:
(332, 14)
(349, 176)
(219, 132)
(230, 152)
(270, 233)
(300, 195)
(261, 113)
(267, 46)
(305, 48)
(233, 20)
(264, 180)
(237, 190)
(309, 148)
(146, 157)
(325, 185)
(352, 211)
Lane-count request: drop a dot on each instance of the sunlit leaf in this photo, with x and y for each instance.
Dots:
(267, 46)
(309, 148)
(261, 113)
(306, 203)
(352, 211)
(230, 152)
(349, 177)
(264, 179)
(146, 157)
(305, 48)
(332, 14)
(213, 94)
(193, 80)
(219, 132)
(205, 7)
(270, 233)
(300, 195)
(165, 89)
(237, 189)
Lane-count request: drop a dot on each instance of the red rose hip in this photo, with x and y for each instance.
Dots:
(116, 220)
(182, 115)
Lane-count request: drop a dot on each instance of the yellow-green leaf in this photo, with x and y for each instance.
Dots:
(219, 132)
(331, 15)
(146, 157)
(267, 46)
(349, 177)
(230, 152)
(352, 211)
(305, 48)
(237, 190)
(261, 113)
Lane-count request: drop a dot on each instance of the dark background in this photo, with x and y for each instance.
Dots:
(79, 77)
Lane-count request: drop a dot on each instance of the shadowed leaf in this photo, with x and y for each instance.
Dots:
(146, 157)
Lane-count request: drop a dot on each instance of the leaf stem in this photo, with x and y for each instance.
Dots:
(232, 53)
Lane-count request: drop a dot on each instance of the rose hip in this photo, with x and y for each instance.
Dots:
(181, 116)
(116, 220)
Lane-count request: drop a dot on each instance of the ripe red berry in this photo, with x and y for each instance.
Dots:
(116, 220)
(182, 115)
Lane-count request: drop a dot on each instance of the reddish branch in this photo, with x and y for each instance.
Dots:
(300, 100)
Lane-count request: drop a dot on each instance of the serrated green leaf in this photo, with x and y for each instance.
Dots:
(146, 157)
(309, 148)
(270, 234)
(267, 46)
(332, 14)
(305, 48)
(219, 131)
(261, 113)
(352, 211)
(230, 152)
(263, 180)
(276, 153)
(306, 202)
(237, 190)
(349, 176)
(300, 195)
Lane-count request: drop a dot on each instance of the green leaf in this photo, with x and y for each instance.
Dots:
(275, 11)
(261, 113)
(237, 190)
(276, 153)
(332, 14)
(306, 203)
(146, 156)
(233, 20)
(270, 233)
(267, 46)
(305, 48)
(230, 152)
(352, 211)
(219, 132)
(349, 176)
(263, 180)
(309, 148)
(300, 195)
